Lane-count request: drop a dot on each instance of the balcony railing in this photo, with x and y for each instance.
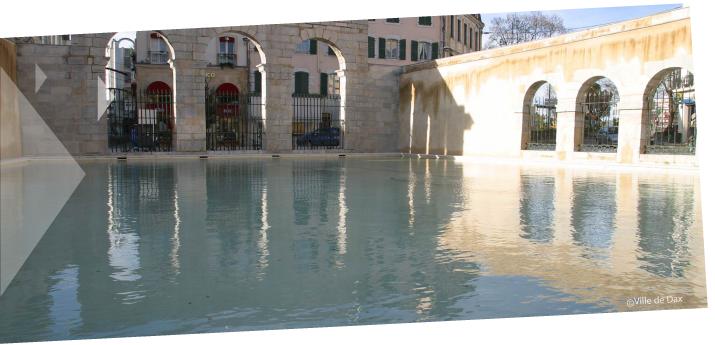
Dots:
(158, 57)
(226, 59)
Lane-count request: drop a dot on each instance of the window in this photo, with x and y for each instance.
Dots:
(471, 37)
(424, 51)
(393, 20)
(226, 45)
(451, 26)
(465, 34)
(157, 49)
(370, 47)
(303, 47)
(371, 20)
(459, 32)
(301, 83)
(392, 49)
(329, 84)
(424, 21)
(329, 50)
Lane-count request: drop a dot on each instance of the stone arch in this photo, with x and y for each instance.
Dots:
(328, 38)
(538, 106)
(672, 131)
(597, 115)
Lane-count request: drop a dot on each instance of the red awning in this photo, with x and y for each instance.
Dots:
(158, 87)
(227, 88)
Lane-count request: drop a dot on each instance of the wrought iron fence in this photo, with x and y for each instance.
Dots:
(671, 115)
(316, 122)
(225, 59)
(140, 121)
(542, 124)
(233, 121)
(600, 121)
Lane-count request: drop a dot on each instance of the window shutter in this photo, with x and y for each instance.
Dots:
(381, 48)
(403, 49)
(435, 50)
(323, 84)
(413, 50)
(451, 26)
(370, 47)
(313, 47)
(257, 81)
(301, 83)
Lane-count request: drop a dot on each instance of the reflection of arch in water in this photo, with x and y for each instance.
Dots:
(539, 117)
(536, 207)
(664, 219)
(593, 211)
(669, 118)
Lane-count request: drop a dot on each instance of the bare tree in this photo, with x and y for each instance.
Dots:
(523, 27)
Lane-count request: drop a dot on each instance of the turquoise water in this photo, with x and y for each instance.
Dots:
(188, 246)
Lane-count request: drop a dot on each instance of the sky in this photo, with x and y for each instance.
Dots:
(585, 18)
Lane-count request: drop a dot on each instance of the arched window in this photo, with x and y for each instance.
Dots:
(670, 108)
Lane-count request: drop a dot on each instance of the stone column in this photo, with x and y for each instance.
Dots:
(279, 103)
(567, 125)
(189, 107)
(630, 128)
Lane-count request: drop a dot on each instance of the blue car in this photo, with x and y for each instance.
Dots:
(321, 137)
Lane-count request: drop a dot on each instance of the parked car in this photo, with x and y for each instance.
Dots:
(321, 137)
(607, 135)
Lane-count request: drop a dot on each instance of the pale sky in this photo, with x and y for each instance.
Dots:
(585, 18)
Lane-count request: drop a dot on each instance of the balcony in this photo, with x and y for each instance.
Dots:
(226, 59)
(158, 57)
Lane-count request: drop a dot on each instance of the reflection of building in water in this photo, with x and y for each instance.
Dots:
(662, 258)
(236, 214)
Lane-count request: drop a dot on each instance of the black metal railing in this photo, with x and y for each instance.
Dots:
(600, 122)
(140, 122)
(671, 115)
(234, 121)
(542, 125)
(316, 122)
(158, 57)
(226, 59)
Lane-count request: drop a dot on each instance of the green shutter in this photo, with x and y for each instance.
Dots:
(451, 26)
(413, 50)
(403, 49)
(435, 50)
(301, 83)
(257, 81)
(381, 48)
(370, 47)
(313, 47)
(324, 84)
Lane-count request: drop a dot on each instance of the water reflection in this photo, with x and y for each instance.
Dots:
(161, 247)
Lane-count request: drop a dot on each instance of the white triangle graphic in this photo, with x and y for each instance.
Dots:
(40, 78)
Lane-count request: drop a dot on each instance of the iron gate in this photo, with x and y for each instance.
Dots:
(316, 122)
(600, 121)
(542, 124)
(140, 121)
(233, 121)
(671, 115)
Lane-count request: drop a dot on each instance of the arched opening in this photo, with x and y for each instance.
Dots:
(670, 113)
(318, 96)
(139, 79)
(235, 99)
(539, 121)
(597, 116)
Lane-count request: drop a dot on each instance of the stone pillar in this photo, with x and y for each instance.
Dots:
(630, 129)
(567, 134)
(278, 89)
(189, 107)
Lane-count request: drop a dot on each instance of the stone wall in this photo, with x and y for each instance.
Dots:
(10, 139)
(473, 104)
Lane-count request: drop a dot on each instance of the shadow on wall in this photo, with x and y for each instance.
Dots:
(432, 122)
